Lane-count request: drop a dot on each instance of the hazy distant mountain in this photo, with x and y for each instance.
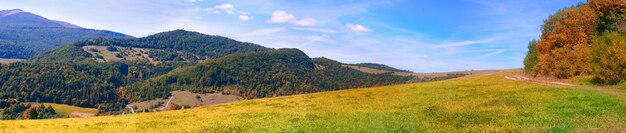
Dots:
(24, 35)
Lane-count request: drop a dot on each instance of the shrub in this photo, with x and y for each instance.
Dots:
(609, 58)
(112, 49)
(31, 113)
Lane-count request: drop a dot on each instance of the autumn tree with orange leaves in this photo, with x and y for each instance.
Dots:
(564, 46)
(568, 46)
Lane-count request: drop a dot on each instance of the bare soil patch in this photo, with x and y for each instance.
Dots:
(123, 52)
(519, 75)
(183, 98)
(9, 61)
(78, 114)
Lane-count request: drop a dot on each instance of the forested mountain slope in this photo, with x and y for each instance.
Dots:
(262, 74)
(177, 45)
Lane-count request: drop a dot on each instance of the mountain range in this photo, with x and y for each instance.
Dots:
(107, 70)
(24, 35)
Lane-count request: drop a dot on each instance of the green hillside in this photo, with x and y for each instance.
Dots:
(165, 46)
(479, 104)
(261, 74)
(85, 84)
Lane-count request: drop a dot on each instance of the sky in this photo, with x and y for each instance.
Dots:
(416, 35)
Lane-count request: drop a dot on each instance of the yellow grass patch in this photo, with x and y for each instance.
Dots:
(477, 104)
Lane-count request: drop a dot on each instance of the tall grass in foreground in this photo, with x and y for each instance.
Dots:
(479, 104)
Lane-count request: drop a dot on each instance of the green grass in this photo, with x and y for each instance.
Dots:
(479, 104)
(63, 109)
(588, 81)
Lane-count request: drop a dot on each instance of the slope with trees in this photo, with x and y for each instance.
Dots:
(166, 46)
(262, 74)
(586, 39)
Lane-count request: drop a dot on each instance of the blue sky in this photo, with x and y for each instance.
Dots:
(417, 35)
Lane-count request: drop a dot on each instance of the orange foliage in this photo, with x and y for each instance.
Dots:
(606, 6)
(564, 49)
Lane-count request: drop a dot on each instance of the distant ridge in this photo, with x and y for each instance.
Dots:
(19, 17)
(4, 13)
(24, 35)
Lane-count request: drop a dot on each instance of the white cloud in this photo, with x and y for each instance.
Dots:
(305, 22)
(228, 8)
(245, 17)
(212, 11)
(358, 28)
(263, 32)
(280, 16)
(315, 30)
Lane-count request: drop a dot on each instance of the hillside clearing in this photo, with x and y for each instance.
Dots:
(66, 110)
(489, 103)
(183, 98)
(8, 61)
(125, 53)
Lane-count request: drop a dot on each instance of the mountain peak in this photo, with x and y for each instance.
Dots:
(21, 17)
(10, 12)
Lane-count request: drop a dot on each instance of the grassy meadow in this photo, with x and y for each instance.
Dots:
(63, 109)
(478, 104)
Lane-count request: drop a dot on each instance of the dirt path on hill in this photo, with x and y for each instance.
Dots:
(520, 76)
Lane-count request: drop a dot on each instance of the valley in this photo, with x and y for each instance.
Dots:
(481, 103)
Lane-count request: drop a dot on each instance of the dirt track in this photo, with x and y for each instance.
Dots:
(518, 75)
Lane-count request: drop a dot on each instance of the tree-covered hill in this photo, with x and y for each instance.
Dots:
(85, 84)
(24, 35)
(262, 74)
(166, 46)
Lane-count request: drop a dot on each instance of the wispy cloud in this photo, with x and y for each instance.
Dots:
(194, 1)
(448, 45)
(305, 22)
(495, 52)
(263, 32)
(315, 30)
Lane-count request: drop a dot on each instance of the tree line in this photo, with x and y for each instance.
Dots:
(586, 39)
(84, 84)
